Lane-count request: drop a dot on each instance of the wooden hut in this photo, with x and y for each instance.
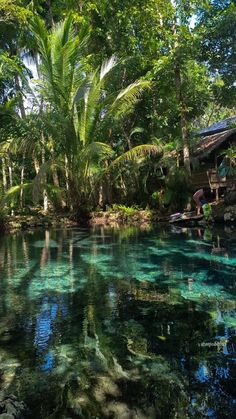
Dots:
(207, 153)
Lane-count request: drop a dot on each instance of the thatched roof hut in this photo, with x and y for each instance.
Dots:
(208, 144)
(208, 151)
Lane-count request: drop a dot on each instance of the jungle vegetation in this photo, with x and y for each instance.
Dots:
(100, 99)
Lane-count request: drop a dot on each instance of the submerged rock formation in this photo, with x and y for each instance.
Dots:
(230, 214)
(224, 213)
(11, 408)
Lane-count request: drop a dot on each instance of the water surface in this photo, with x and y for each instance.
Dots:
(120, 323)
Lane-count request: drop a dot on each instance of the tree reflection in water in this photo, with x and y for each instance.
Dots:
(119, 323)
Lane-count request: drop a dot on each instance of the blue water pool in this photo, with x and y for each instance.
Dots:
(119, 323)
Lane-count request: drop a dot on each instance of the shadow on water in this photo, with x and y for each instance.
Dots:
(119, 324)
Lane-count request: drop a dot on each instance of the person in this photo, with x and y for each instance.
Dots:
(200, 200)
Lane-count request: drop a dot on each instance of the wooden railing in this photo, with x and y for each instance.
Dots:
(216, 181)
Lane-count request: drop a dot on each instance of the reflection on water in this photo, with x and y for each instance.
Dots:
(120, 323)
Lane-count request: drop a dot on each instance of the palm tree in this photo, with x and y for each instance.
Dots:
(79, 104)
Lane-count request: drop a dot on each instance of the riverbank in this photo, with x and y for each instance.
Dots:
(220, 212)
(28, 222)
(25, 222)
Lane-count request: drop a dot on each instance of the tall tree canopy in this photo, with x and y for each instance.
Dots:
(84, 82)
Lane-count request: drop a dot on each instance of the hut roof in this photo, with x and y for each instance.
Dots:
(220, 126)
(204, 146)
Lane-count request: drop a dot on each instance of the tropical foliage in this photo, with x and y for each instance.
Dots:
(98, 99)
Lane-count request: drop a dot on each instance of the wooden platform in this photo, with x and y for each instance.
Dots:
(210, 179)
(186, 220)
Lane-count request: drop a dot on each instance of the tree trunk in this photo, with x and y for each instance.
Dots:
(81, 4)
(127, 137)
(183, 117)
(101, 196)
(67, 177)
(10, 174)
(21, 103)
(36, 164)
(180, 100)
(22, 174)
(10, 179)
(45, 201)
(45, 195)
(67, 172)
(55, 178)
(4, 176)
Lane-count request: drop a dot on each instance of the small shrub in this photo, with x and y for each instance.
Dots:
(157, 200)
(124, 211)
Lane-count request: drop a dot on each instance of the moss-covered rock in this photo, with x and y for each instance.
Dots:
(11, 408)
(224, 213)
(123, 215)
(230, 214)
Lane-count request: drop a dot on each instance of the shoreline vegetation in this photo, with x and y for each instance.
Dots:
(97, 109)
(115, 217)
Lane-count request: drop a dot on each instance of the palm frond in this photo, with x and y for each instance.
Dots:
(136, 153)
(41, 35)
(97, 150)
(60, 52)
(107, 66)
(6, 147)
(92, 104)
(81, 91)
(128, 97)
(89, 111)
(64, 48)
(14, 192)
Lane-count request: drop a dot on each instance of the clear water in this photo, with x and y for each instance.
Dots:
(119, 323)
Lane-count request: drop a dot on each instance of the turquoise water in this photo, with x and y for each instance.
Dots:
(110, 323)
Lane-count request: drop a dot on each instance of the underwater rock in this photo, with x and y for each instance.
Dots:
(230, 214)
(11, 408)
(224, 213)
(230, 198)
(218, 212)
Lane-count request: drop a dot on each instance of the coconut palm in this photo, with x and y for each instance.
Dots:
(79, 104)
